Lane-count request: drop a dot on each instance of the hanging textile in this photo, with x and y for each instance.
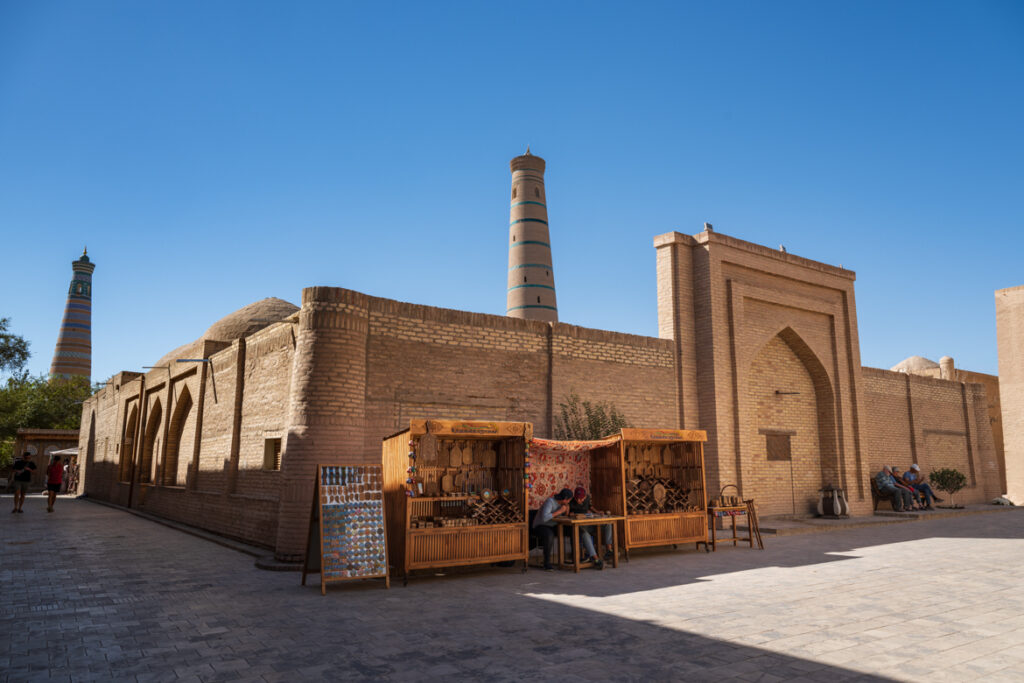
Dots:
(555, 465)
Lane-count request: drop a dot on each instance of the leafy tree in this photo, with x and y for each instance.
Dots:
(13, 349)
(579, 420)
(949, 480)
(38, 403)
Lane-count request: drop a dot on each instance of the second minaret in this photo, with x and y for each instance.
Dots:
(531, 278)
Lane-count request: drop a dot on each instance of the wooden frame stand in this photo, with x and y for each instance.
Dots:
(455, 493)
(347, 537)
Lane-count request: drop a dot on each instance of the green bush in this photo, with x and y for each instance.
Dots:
(948, 480)
(579, 420)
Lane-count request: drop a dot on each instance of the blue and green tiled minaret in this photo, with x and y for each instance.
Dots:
(531, 278)
(73, 355)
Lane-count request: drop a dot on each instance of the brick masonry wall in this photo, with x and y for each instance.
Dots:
(1010, 338)
(933, 422)
(365, 366)
(781, 487)
(228, 492)
(352, 369)
(744, 295)
(269, 355)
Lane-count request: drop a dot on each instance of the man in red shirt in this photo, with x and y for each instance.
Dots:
(54, 477)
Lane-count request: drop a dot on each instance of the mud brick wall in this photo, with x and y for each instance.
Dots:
(366, 366)
(1010, 339)
(933, 422)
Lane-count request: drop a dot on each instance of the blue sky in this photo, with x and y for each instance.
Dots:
(212, 154)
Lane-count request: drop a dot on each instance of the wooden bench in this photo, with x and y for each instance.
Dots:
(877, 496)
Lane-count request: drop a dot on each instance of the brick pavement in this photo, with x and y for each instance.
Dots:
(93, 593)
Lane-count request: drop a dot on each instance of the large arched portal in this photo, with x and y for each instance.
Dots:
(790, 443)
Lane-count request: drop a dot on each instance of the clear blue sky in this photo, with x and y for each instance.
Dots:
(214, 153)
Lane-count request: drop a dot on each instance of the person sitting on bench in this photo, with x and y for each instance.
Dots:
(902, 500)
(914, 480)
(897, 476)
(544, 524)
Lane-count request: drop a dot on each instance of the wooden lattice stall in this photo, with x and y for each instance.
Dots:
(662, 485)
(455, 493)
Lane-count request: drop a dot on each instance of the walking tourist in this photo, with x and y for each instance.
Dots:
(54, 478)
(914, 480)
(902, 500)
(544, 524)
(23, 469)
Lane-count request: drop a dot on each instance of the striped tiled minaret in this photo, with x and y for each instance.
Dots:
(531, 279)
(73, 355)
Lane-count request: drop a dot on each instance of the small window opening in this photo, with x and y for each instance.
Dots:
(272, 455)
(524, 279)
(538, 299)
(778, 447)
(513, 193)
(547, 273)
(536, 191)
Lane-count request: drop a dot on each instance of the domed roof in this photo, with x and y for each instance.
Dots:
(914, 364)
(249, 319)
(241, 323)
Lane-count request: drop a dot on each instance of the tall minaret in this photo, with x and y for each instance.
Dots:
(531, 279)
(73, 355)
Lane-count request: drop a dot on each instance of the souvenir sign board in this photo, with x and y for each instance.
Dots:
(346, 531)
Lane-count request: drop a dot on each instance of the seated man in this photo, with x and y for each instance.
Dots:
(544, 526)
(902, 500)
(580, 505)
(897, 476)
(914, 480)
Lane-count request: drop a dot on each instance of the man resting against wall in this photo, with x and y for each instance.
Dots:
(902, 499)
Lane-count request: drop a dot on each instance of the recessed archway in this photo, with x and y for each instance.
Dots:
(179, 418)
(790, 441)
(149, 443)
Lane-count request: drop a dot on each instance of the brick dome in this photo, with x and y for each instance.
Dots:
(241, 323)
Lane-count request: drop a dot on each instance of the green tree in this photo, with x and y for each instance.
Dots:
(579, 420)
(13, 349)
(38, 403)
(949, 480)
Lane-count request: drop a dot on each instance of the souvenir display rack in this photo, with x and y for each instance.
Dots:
(663, 491)
(455, 493)
(347, 533)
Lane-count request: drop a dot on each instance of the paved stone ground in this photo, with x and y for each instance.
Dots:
(94, 593)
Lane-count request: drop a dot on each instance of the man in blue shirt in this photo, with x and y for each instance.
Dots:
(544, 526)
(902, 499)
(914, 480)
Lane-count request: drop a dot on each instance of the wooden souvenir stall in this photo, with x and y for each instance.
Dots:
(662, 483)
(455, 493)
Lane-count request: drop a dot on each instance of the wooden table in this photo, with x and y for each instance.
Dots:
(575, 523)
(736, 510)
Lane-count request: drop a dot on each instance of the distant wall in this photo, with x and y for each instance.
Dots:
(1010, 337)
(933, 422)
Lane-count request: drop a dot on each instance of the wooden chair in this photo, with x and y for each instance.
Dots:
(877, 496)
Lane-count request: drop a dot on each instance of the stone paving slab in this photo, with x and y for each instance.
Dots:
(94, 593)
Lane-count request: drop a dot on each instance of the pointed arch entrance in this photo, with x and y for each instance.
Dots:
(127, 448)
(790, 446)
(149, 443)
(175, 434)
